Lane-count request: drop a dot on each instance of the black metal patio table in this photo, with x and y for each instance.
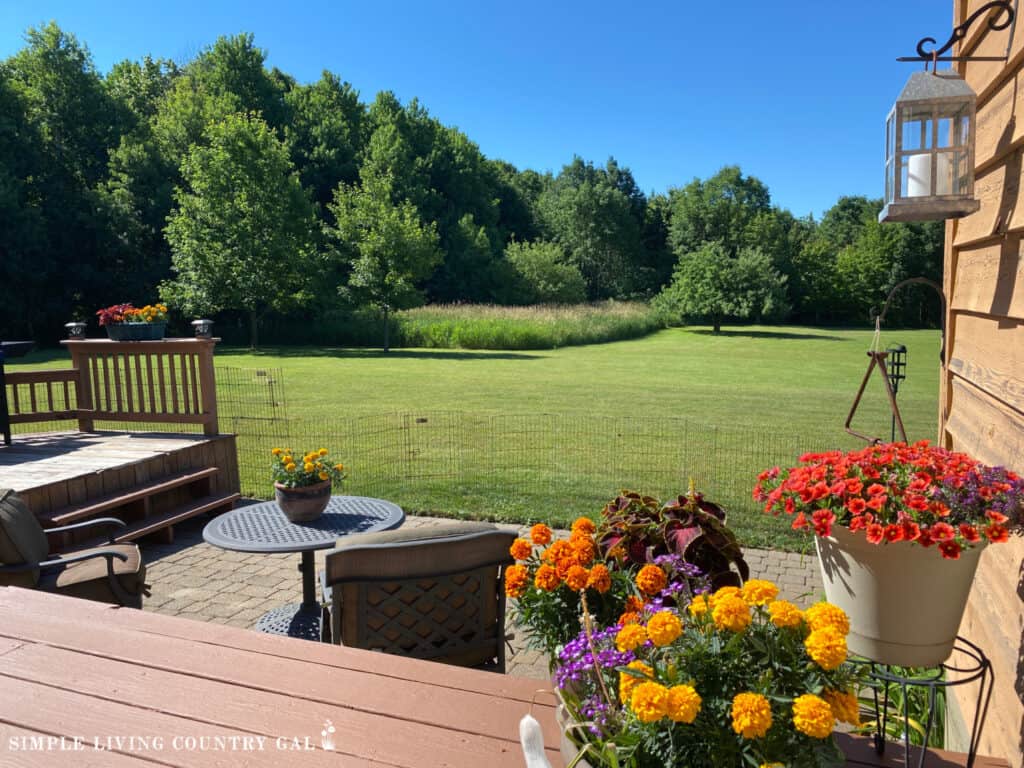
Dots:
(263, 528)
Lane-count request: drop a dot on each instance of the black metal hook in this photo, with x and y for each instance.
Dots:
(1000, 20)
(880, 316)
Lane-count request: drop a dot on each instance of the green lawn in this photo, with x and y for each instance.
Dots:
(552, 434)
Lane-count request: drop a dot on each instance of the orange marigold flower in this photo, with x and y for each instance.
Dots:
(584, 525)
(521, 549)
(546, 578)
(516, 577)
(683, 704)
(699, 606)
(649, 702)
(759, 591)
(664, 627)
(723, 592)
(577, 577)
(751, 715)
(600, 579)
(629, 617)
(630, 637)
(634, 603)
(540, 534)
(844, 706)
(628, 682)
(813, 716)
(784, 614)
(732, 613)
(651, 580)
(826, 647)
(584, 551)
(821, 615)
(559, 550)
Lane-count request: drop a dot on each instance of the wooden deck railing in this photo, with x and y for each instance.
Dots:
(169, 381)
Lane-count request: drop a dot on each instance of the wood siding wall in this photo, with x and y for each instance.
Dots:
(982, 397)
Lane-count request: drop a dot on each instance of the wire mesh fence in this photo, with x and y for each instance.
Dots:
(503, 466)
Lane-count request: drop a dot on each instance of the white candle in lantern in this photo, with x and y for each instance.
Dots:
(919, 175)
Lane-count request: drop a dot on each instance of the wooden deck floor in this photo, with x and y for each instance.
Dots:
(36, 460)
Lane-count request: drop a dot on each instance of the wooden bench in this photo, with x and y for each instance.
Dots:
(71, 668)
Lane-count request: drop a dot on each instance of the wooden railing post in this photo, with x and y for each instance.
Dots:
(208, 387)
(84, 393)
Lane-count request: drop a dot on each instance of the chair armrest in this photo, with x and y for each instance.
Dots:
(62, 561)
(325, 588)
(111, 522)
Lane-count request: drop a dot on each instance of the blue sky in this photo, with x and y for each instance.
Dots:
(794, 92)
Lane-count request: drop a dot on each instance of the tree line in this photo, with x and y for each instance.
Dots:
(226, 187)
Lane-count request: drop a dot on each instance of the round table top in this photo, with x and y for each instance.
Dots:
(264, 528)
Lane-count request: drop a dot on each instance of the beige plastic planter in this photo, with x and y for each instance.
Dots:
(905, 602)
(569, 749)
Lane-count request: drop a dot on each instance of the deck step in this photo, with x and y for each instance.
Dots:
(94, 508)
(154, 523)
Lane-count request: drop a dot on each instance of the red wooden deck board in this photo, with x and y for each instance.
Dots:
(508, 687)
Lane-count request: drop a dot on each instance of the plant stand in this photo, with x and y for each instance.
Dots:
(970, 665)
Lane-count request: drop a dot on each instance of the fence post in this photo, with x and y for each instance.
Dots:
(208, 385)
(83, 393)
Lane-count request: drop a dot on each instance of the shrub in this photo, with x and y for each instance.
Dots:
(542, 267)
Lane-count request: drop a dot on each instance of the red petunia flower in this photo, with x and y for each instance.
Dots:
(800, 521)
(970, 533)
(878, 502)
(874, 489)
(950, 550)
(997, 534)
(996, 517)
(894, 532)
(875, 533)
(911, 530)
(856, 506)
(925, 538)
(823, 519)
(942, 532)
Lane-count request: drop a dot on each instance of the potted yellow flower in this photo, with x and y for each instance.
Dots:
(737, 677)
(302, 483)
(125, 322)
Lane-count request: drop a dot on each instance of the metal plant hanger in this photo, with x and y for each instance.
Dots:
(878, 358)
(1001, 20)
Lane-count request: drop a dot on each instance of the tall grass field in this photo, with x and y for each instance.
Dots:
(550, 434)
(481, 326)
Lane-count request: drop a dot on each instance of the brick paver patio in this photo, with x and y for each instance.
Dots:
(193, 579)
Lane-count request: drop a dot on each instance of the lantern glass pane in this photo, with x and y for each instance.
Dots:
(946, 136)
(964, 133)
(917, 128)
(890, 137)
(890, 180)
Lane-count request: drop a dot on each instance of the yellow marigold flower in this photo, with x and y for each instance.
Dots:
(823, 614)
(699, 606)
(584, 525)
(751, 715)
(289, 467)
(521, 549)
(584, 550)
(826, 647)
(628, 682)
(516, 577)
(813, 716)
(276, 451)
(784, 614)
(759, 591)
(308, 466)
(664, 627)
(546, 578)
(844, 706)
(773, 765)
(651, 580)
(600, 578)
(649, 702)
(732, 613)
(322, 452)
(683, 704)
(323, 476)
(540, 534)
(723, 592)
(287, 459)
(339, 467)
(630, 637)
(576, 578)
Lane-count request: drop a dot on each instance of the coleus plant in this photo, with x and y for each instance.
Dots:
(635, 530)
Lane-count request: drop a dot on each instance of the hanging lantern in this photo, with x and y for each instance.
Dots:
(929, 150)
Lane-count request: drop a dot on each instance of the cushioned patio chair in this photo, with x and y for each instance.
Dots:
(430, 593)
(111, 573)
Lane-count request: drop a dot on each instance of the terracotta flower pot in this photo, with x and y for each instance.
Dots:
(303, 504)
(905, 602)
